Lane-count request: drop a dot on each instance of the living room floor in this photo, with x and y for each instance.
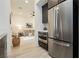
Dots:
(28, 49)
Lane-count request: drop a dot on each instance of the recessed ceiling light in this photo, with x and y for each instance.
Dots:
(26, 1)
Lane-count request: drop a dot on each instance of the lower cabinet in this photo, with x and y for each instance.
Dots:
(43, 45)
(43, 40)
(3, 47)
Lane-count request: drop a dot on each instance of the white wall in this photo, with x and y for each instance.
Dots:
(5, 20)
(38, 17)
(41, 2)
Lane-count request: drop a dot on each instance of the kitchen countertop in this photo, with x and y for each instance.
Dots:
(2, 35)
(43, 31)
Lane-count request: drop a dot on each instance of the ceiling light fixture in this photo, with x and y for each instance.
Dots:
(26, 1)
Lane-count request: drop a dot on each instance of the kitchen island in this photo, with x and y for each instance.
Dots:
(3, 45)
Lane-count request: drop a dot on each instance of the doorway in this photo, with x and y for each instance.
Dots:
(22, 24)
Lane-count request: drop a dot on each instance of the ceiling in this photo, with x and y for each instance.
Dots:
(19, 7)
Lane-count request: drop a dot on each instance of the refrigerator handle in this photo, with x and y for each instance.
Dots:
(57, 22)
(61, 43)
(56, 26)
(61, 25)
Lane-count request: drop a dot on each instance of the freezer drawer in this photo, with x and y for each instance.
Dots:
(60, 49)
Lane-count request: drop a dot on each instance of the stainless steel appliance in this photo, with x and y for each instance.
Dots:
(60, 30)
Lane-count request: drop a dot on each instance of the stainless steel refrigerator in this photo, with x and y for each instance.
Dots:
(60, 30)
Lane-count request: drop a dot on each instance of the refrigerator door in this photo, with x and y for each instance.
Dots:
(65, 12)
(60, 20)
(51, 22)
(60, 49)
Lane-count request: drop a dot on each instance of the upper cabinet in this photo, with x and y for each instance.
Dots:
(52, 3)
(45, 13)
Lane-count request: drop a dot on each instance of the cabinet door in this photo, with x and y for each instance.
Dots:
(45, 13)
(52, 3)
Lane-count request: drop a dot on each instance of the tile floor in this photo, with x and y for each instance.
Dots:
(28, 49)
